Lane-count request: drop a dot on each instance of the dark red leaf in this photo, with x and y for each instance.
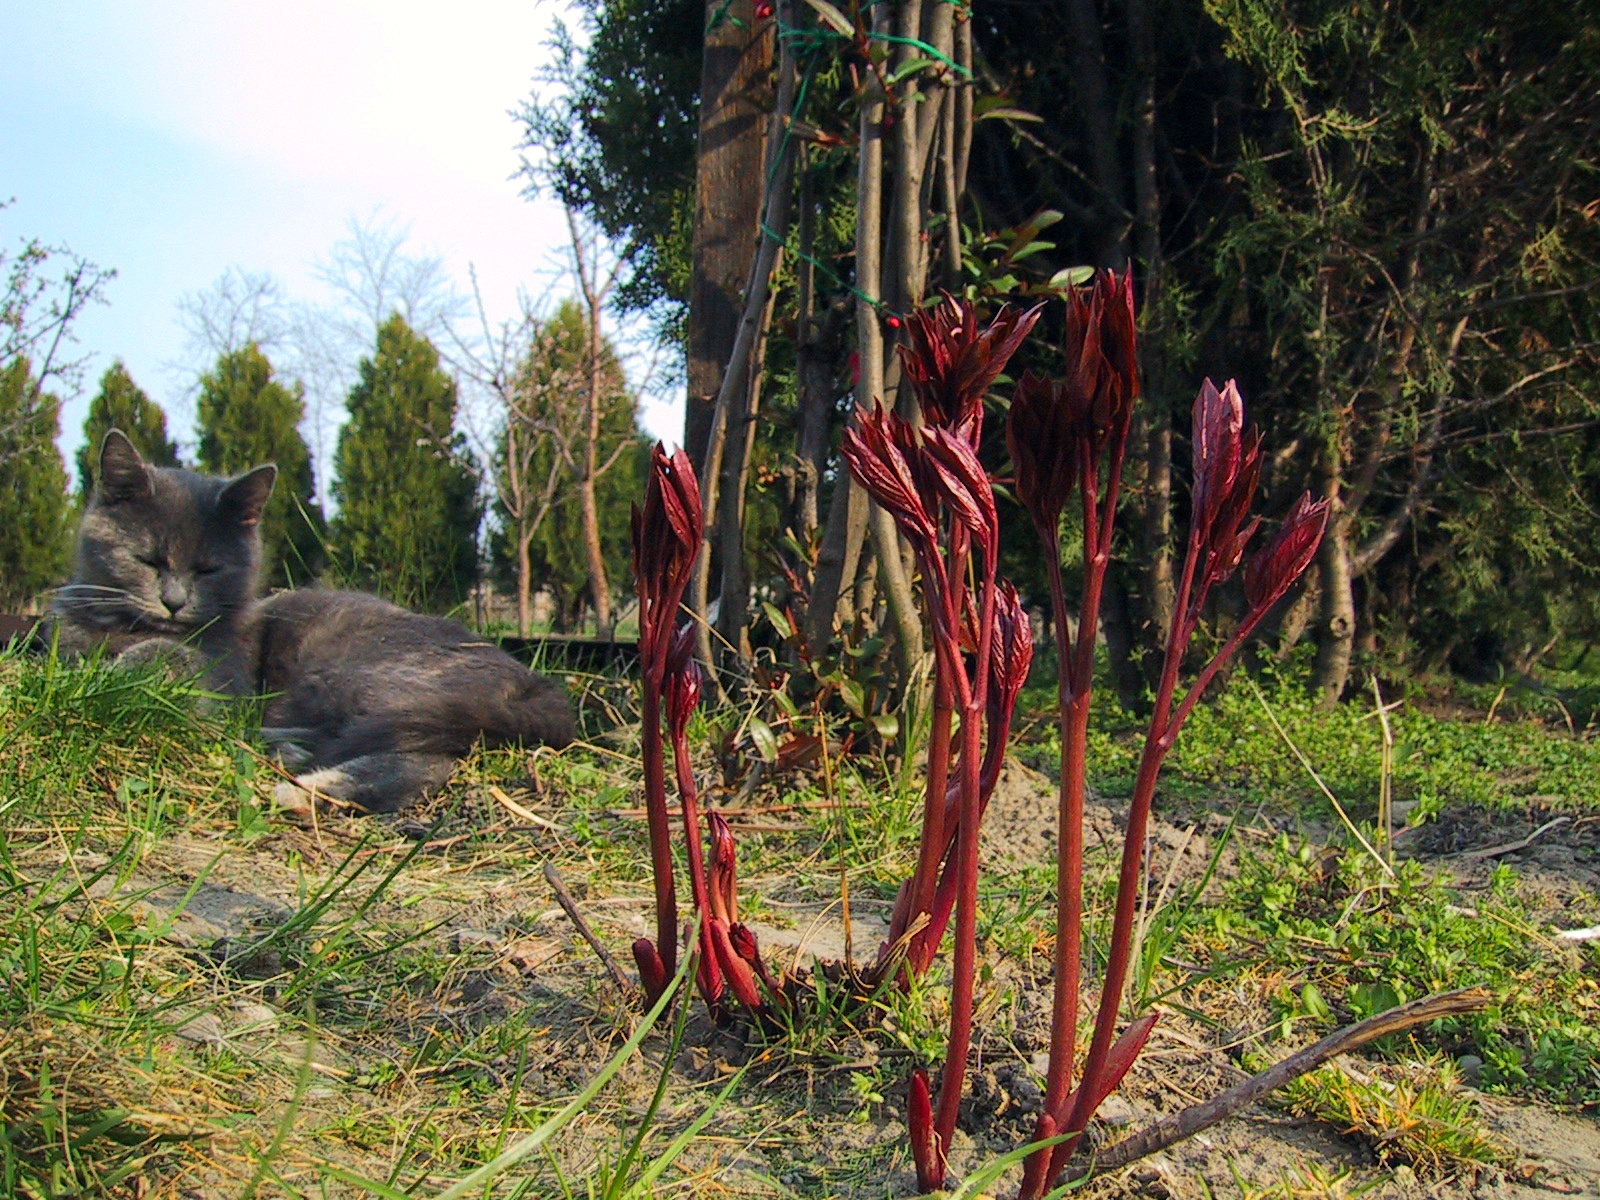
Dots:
(740, 978)
(1013, 656)
(744, 945)
(1275, 567)
(962, 482)
(874, 451)
(724, 886)
(1118, 1061)
(952, 364)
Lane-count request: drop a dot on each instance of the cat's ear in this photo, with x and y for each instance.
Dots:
(123, 475)
(245, 497)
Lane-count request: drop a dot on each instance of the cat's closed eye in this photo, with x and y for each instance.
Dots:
(157, 562)
(207, 568)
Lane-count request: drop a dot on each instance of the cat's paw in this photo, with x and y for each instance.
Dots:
(315, 793)
(179, 661)
(291, 755)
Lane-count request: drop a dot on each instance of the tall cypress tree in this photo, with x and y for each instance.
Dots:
(408, 506)
(122, 404)
(35, 513)
(248, 418)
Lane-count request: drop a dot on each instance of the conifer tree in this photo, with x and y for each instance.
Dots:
(406, 486)
(35, 513)
(248, 418)
(537, 456)
(122, 404)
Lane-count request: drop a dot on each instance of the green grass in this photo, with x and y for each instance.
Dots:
(1230, 744)
(404, 1004)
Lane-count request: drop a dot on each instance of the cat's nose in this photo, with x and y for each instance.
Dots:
(174, 596)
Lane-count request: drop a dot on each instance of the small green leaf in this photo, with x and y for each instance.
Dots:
(854, 698)
(833, 18)
(779, 619)
(867, 649)
(1315, 1006)
(1076, 276)
(1030, 249)
(766, 741)
(887, 725)
(907, 69)
(1041, 221)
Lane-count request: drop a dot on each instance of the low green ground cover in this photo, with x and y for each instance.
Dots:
(200, 999)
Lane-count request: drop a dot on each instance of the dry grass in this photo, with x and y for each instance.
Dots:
(201, 1000)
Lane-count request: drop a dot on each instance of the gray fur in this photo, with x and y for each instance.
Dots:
(164, 556)
(370, 705)
(388, 698)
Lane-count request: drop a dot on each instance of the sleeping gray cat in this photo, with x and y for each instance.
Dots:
(165, 557)
(370, 705)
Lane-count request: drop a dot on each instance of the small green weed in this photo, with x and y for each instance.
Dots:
(1416, 1116)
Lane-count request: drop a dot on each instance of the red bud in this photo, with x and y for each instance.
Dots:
(667, 533)
(952, 364)
(683, 679)
(925, 1149)
(1040, 433)
(652, 971)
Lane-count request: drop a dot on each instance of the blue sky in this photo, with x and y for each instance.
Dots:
(174, 139)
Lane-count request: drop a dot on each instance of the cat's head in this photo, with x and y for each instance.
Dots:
(163, 550)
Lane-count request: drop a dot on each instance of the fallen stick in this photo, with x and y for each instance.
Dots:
(1579, 935)
(570, 907)
(1519, 844)
(518, 810)
(1198, 1117)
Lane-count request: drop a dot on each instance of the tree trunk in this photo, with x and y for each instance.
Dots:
(524, 582)
(816, 372)
(599, 587)
(734, 392)
(1337, 617)
(728, 200)
(870, 353)
(1160, 588)
(831, 600)
(733, 616)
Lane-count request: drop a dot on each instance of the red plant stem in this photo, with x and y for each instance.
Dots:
(1074, 727)
(1075, 682)
(943, 585)
(974, 698)
(1158, 740)
(935, 832)
(655, 799)
(688, 797)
